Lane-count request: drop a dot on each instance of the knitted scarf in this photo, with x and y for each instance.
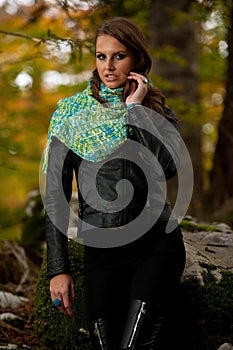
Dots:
(90, 129)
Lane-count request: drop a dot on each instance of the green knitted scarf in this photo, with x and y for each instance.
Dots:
(90, 129)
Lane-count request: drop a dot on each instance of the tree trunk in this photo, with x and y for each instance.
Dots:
(172, 26)
(220, 193)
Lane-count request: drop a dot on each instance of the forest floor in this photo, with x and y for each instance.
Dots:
(18, 333)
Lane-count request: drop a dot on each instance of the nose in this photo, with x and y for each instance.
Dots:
(109, 64)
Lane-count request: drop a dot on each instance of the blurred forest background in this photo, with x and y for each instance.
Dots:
(47, 53)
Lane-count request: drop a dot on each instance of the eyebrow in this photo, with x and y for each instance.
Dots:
(119, 51)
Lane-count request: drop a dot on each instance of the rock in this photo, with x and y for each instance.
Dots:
(212, 248)
(223, 227)
(8, 316)
(12, 319)
(226, 346)
(193, 266)
(9, 300)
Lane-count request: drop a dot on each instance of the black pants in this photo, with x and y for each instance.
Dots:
(147, 270)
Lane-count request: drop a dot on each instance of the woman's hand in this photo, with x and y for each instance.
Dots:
(139, 88)
(62, 288)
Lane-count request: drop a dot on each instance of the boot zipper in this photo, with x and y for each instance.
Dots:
(139, 318)
(99, 335)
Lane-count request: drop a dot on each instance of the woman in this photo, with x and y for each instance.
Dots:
(132, 265)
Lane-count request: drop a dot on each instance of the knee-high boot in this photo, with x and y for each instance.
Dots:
(99, 332)
(143, 327)
(103, 335)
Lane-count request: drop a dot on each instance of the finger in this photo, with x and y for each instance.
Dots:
(62, 306)
(141, 80)
(57, 302)
(133, 87)
(136, 75)
(55, 296)
(66, 307)
(72, 293)
(58, 305)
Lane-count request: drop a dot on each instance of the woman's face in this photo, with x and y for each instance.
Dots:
(113, 61)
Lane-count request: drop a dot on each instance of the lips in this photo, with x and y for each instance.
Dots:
(110, 77)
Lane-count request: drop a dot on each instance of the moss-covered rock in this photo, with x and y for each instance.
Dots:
(206, 312)
(203, 316)
(196, 227)
(52, 327)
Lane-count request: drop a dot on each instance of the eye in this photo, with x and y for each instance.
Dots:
(120, 56)
(100, 56)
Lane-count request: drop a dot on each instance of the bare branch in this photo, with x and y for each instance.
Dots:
(50, 37)
(24, 36)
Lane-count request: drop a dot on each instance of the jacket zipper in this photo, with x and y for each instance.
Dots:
(126, 173)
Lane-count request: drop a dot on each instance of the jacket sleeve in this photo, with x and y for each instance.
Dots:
(58, 194)
(160, 136)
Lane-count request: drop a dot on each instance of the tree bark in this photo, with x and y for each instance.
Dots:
(220, 193)
(171, 25)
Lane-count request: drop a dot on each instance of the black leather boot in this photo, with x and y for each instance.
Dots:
(143, 327)
(102, 335)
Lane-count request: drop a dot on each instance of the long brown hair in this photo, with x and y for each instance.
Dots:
(130, 36)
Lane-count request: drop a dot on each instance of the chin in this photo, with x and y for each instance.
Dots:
(113, 85)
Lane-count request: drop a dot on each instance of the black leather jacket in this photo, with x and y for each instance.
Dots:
(100, 208)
